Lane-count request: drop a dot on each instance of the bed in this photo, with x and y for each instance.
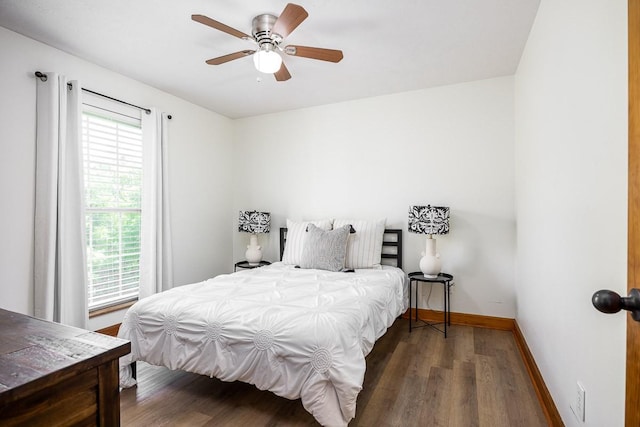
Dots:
(299, 333)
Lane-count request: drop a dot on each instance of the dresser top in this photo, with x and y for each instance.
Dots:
(34, 352)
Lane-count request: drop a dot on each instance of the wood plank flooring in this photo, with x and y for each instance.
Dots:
(475, 377)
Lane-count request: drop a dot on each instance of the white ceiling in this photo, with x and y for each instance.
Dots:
(389, 46)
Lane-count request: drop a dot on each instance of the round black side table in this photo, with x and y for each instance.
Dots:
(245, 264)
(442, 278)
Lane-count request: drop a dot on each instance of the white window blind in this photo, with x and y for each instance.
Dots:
(112, 156)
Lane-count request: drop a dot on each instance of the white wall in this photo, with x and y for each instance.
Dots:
(571, 186)
(200, 169)
(375, 157)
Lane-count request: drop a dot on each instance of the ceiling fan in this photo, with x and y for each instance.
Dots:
(268, 32)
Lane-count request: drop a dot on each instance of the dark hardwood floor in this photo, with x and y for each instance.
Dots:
(475, 377)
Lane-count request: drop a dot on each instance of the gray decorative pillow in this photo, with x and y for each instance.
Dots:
(325, 250)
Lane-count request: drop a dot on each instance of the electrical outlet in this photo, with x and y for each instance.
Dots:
(578, 406)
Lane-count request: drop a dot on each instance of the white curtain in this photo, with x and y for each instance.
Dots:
(156, 257)
(60, 270)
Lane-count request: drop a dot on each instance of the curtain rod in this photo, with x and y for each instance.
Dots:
(42, 76)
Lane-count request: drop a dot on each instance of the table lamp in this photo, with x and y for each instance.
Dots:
(254, 222)
(429, 220)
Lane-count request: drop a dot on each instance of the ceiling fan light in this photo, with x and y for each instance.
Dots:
(267, 61)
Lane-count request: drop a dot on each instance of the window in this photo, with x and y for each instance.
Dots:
(112, 158)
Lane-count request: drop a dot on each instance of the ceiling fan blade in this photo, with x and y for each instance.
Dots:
(220, 26)
(230, 57)
(330, 55)
(282, 74)
(289, 19)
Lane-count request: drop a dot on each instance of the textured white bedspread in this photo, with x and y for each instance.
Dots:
(298, 333)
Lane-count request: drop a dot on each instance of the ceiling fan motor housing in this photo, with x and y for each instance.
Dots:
(261, 30)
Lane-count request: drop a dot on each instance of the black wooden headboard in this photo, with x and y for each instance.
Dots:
(391, 245)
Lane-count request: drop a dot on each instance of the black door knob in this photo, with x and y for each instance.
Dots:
(608, 301)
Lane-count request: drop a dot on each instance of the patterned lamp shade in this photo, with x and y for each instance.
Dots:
(254, 222)
(429, 219)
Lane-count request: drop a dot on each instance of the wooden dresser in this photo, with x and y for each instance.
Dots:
(57, 375)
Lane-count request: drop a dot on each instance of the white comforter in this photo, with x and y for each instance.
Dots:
(298, 333)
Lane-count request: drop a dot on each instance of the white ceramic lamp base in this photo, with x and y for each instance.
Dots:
(430, 263)
(253, 254)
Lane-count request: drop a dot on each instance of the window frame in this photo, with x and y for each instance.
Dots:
(113, 111)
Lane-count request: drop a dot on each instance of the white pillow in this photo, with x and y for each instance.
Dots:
(295, 239)
(364, 248)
